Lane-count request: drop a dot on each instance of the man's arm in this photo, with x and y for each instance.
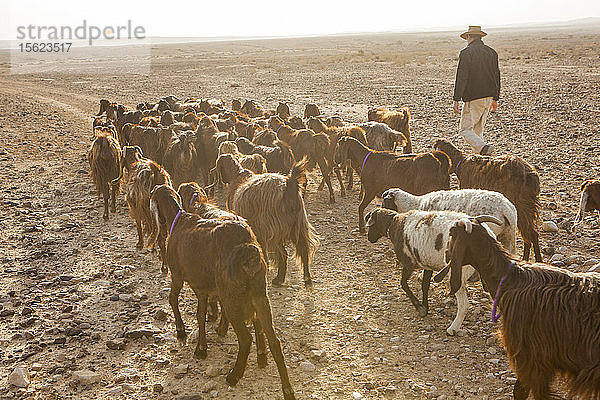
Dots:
(497, 72)
(462, 76)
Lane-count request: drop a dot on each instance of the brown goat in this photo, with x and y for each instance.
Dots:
(144, 174)
(181, 157)
(103, 107)
(104, 158)
(311, 110)
(397, 120)
(279, 157)
(334, 133)
(252, 109)
(219, 257)
(273, 206)
(590, 199)
(415, 173)
(510, 175)
(153, 141)
(550, 323)
(283, 111)
(313, 146)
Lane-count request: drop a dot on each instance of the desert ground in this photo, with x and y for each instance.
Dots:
(73, 285)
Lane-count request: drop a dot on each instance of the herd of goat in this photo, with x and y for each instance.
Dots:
(161, 151)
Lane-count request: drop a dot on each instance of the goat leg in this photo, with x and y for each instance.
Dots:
(140, 244)
(263, 313)
(338, 174)
(244, 342)
(406, 273)
(261, 345)
(536, 246)
(462, 301)
(176, 285)
(105, 195)
(366, 198)
(223, 324)
(350, 176)
(115, 193)
(201, 317)
(425, 289)
(520, 391)
(325, 172)
(281, 261)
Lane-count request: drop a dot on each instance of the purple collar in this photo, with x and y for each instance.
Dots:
(496, 316)
(458, 165)
(194, 196)
(279, 128)
(365, 161)
(175, 221)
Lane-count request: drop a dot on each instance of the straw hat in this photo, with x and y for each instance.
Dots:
(473, 30)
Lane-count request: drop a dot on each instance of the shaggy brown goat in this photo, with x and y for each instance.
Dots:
(279, 157)
(254, 162)
(334, 134)
(382, 137)
(236, 105)
(415, 173)
(550, 325)
(313, 146)
(103, 107)
(311, 110)
(510, 175)
(273, 206)
(283, 111)
(397, 120)
(144, 174)
(251, 109)
(124, 117)
(153, 141)
(181, 157)
(224, 258)
(590, 200)
(104, 158)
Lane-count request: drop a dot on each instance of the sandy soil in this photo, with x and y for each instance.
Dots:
(72, 282)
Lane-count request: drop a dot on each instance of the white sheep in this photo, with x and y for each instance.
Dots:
(468, 201)
(420, 239)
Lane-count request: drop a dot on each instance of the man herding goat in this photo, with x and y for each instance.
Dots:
(478, 86)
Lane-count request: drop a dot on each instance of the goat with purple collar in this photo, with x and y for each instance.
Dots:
(419, 239)
(379, 170)
(550, 320)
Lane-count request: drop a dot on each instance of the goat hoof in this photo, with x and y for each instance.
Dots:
(450, 332)
(201, 354)
(422, 311)
(222, 332)
(105, 217)
(277, 282)
(231, 379)
(308, 283)
(262, 360)
(332, 200)
(113, 210)
(182, 337)
(288, 394)
(139, 245)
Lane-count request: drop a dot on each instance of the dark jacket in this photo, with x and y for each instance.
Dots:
(477, 75)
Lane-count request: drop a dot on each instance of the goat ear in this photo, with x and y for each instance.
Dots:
(370, 219)
(139, 150)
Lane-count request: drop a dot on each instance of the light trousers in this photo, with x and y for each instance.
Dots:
(472, 121)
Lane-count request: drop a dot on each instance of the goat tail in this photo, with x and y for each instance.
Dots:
(303, 234)
(247, 258)
(155, 225)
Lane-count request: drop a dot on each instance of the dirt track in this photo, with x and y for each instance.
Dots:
(67, 267)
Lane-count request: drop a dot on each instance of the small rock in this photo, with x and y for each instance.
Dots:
(125, 297)
(442, 397)
(26, 311)
(307, 366)
(595, 268)
(590, 262)
(494, 361)
(213, 371)
(157, 388)
(117, 344)
(549, 226)
(36, 366)
(214, 394)
(357, 396)
(160, 315)
(86, 377)
(557, 257)
(19, 377)
(181, 369)
(208, 386)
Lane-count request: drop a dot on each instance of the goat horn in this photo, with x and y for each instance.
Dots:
(467, 224)
(488, 218)
(442, 274)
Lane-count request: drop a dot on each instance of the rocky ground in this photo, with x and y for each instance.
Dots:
(84, 315)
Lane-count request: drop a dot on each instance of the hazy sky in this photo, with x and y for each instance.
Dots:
(202, 18)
